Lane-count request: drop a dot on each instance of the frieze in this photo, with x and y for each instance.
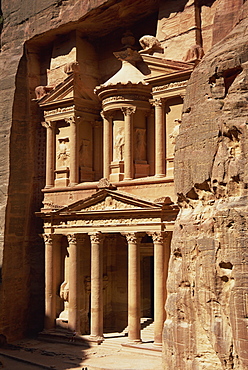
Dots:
(123, 98)
(110, 222)
(59, 110)
(171, 85)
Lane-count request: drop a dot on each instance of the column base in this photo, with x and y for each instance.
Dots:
(157, 344)
(160, 175)
(134, 341)
(96, 338)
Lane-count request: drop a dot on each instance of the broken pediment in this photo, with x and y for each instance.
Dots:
(68, 90)
(109, 200)
(160, 68)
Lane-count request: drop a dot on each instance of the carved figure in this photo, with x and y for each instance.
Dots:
(140, 144)
(150, 44)
(41, 91)
(119, 145)
(194, 53)
(63, 152)
(64, 294)
(175, 131)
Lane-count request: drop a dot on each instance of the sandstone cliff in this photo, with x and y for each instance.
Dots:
(207, 306)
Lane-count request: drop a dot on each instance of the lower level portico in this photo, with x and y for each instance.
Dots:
(106, 264)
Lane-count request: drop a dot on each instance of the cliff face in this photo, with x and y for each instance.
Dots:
(207, 306)
(22, 159)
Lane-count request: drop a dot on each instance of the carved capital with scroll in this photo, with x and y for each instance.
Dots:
(157, 102)
(106, 115)
(128, 111)
(158, 237)
(96, 237)
(48, 124)
(47, 238)
(72, 239)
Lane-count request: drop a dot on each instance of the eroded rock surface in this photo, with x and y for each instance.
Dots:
(207, 307)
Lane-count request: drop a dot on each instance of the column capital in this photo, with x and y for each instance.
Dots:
(132, 237)
(72, 238)
(96, 237)
(128, 111)
(108, 115)
(48, 238)
(47, 124)
(157, 102)
(72, 119)
(158, 237)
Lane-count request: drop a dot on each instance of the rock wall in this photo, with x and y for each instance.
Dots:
(207, 305)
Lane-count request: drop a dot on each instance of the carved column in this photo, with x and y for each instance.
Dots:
(159, 138)
(128, 148)
(74, 170)
(96, 331)
(107, 143)
(50, 150)
(50, 282)
(73, 312)
(159, 286)
(97, 134)
(133, 287)
(151, 142)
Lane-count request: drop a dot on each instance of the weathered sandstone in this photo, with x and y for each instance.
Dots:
(206, 326)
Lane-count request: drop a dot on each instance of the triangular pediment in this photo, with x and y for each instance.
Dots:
(109, 200)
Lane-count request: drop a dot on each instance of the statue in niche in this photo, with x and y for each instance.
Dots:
(140, 144)
(63, 152)
(84, 153)
(175, 131)
(119, 145)
(64, 295)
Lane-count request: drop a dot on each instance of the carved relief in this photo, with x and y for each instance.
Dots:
(127, 111)
(63, 153)
(71, 239)
(47, 238)
(171, 85)
(175, 131)
(158, 237)
(140, 144)
(59, 110)
(110, 203)
(110, 222)
(119, 144)
(96, 237)
(64, 295)
(150, 45)
(41, 91)
(84, 153)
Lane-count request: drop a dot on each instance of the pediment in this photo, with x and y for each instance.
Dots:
(109, 200)
(68, 90)
(159, 67)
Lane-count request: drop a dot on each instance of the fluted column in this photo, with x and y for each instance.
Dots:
(50, 150)
(133, 287)
(74, 169)
(159, 138)
(128, 148)
(73, 312)
(50, 282)
(107, 142)
(96, 330)
(159, 286)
